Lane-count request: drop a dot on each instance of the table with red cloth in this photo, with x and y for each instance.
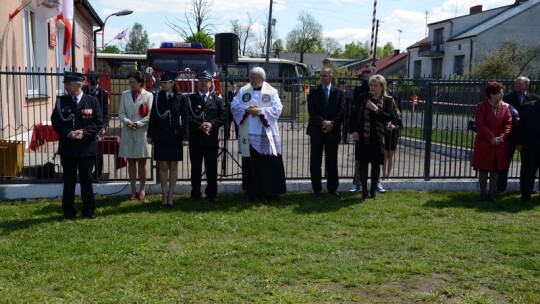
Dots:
(42, 133)
(111, 145)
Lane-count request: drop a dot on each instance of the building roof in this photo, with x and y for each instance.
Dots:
(511, 12)
(313, 61)
(418, 43)
(88, 7)
(388, 61)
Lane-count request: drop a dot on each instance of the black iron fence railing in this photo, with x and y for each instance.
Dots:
(434, 142)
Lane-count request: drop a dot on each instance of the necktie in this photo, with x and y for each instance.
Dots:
(204, 98)
(75, 100)
(169, 97)
(326, 96)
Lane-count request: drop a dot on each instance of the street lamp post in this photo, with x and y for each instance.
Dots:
(120, 13)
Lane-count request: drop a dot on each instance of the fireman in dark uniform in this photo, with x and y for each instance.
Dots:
(206, 115)
(94, 89)
(77, 118)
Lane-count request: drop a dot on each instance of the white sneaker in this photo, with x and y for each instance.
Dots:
(355, 188)
(380, 188)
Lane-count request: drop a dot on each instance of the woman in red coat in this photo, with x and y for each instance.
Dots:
(493, 125)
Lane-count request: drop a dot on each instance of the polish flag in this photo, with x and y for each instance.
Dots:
(65, 17)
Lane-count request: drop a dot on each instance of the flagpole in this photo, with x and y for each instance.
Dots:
(19, 9)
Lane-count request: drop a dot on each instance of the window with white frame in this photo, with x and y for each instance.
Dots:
(35, 55)
(29, 33)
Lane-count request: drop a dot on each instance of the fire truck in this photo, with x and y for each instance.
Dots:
(186, 60)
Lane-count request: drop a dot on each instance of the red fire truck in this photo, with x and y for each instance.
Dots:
(187, 60)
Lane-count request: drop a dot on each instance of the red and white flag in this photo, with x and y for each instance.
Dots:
(122, 34)
(46, 9)
(65, 17)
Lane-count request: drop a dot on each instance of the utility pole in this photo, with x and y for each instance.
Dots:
(399, 39)
(268, 38)
(374, 58)
(426, 24)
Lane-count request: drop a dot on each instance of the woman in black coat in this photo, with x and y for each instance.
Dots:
(168, 131)
(369, 117)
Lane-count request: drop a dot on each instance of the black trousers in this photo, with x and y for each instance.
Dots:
(98, 167)
(330, 147)
(209, 155)
(84, 166)
(530, 164)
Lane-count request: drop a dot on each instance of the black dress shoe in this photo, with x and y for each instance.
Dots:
(334, 193)
(316, 194)
(524, 199)
(373, 194)
(89, 215)
(212, 199)
(251, 198)
(364, 197)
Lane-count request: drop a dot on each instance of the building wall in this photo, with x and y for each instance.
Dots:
(23, 105)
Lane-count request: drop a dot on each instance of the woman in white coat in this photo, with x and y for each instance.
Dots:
(134, 113)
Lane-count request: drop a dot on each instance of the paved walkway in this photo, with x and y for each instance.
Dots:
(35, 191)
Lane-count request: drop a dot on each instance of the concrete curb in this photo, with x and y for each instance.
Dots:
(37, 191)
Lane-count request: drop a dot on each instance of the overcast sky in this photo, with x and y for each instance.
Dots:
(402, 22)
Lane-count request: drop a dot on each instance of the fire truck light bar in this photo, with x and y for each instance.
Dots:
(177, 44)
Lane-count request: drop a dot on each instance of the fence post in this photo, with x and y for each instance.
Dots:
(428, 129)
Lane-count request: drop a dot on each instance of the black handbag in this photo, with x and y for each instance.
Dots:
(471, 125)
(46, 171)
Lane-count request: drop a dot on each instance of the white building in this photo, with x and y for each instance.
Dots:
(453, 43)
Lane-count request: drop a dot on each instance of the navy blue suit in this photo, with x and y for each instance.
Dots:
(77, 154)
(320, 140)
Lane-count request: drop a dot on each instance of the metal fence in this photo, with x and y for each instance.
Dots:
(434, 143)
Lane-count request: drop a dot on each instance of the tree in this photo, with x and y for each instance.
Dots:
(206, 40)
(386, 50)
(138, 41)
(356, 50)
(278, 47)
(508, 60)
(196, 20)
(111, 49)
(306, 36)
(244, 32)
(330, 45)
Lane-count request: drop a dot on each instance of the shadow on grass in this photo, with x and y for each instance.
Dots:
(49, 212)
(506, 202)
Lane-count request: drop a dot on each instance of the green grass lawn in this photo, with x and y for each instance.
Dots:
(405, 247)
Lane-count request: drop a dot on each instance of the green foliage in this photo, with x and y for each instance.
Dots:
(306, 37)
(206, 40)
(405, 247)
(278, 47)
(138, 41)
(356, 50)
(508, 60)
(386, 50)
(111, 49)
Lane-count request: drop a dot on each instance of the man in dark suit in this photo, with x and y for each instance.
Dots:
(77, 118)
(206, 115)
(516, 99)
(94, 89)
(231, 93)
(528, 144)
(325, 107)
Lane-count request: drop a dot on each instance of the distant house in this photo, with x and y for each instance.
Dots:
(453, 44)
(393, 65)
(314, 62)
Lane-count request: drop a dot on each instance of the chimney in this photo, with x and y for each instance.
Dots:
(475, 9)
(396, 52)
